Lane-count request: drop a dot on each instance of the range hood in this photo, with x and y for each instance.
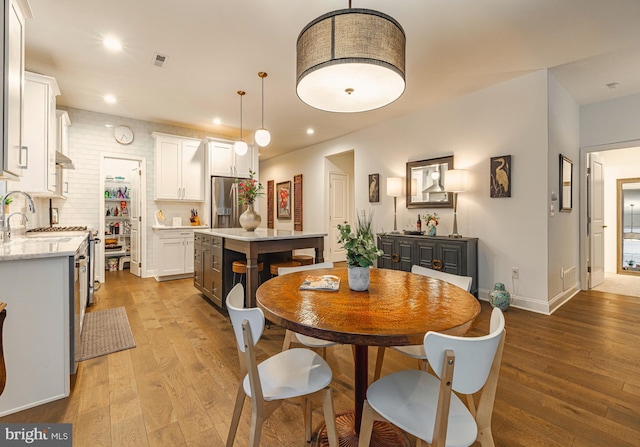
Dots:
(63, 161)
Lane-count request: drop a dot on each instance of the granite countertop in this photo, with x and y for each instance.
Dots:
(261, 234)
(19, 248)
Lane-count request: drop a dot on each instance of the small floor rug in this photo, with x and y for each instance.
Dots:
(105, 332)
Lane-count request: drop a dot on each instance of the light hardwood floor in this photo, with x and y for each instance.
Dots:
(570, 379)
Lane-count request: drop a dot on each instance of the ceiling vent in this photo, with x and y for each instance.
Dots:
(159, 59)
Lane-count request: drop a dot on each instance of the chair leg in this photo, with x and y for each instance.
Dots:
(306, 413)
(366, 426)
(485, 437)
(237, 412)
(257, 419)
(379, 360)
(288, 338)
(330, 418)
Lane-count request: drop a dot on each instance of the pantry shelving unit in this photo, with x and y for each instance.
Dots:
(117, 201)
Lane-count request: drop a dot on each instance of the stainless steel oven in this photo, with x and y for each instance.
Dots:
(80, 293)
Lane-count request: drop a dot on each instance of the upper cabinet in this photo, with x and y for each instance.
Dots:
(180, 168)
(225, 162)
(39, 134)
(12, 157)
(62, 147)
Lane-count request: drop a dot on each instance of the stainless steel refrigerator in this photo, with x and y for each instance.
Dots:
(225, 210)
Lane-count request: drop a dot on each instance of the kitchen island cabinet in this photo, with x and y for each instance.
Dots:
(240, 244)
(37, 278)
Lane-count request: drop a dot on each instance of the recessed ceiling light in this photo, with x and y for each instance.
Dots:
(310, 131)
(111, 43)
(110, 99)
(217, 121)
(108, 126)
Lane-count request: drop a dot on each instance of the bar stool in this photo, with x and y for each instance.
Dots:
(239, 268)
(303, 259)
(276, 265)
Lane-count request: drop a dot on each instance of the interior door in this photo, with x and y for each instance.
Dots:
(596, 220)
(135, 266)
(338, 213)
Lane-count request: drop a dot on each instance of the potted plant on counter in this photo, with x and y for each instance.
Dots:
(361, 250)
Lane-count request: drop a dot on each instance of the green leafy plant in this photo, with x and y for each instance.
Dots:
(249, 189)
(360, 245)
(8, 200)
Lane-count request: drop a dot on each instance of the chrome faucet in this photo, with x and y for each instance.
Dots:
(5, 220)
(9, 222)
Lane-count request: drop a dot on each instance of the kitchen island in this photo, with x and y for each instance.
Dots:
(37, 281)
(213, 263)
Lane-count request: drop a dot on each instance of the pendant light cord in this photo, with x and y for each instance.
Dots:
(262, 77)
(241, 93)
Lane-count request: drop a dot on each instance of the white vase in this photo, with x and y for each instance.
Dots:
(359, 278)
(250, 220)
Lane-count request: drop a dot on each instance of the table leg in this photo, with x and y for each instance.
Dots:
(348, 424)
(361, 381)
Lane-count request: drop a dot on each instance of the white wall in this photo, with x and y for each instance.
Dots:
(609, 122)
(563, 242)
(507, 119)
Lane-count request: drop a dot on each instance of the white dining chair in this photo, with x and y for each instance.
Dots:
(295, 373)
(427, 406)
(417, 351)
(290, 336)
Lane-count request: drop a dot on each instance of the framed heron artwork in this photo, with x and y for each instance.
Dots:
(501, 176)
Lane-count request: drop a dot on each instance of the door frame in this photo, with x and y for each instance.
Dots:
(584, 236)
(142, 163)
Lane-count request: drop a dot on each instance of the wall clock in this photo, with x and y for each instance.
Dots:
(123, 134)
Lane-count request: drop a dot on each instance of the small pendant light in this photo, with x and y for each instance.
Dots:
(240, 147)
(262, 136)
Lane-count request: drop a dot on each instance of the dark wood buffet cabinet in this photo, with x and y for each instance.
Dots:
(458, 256)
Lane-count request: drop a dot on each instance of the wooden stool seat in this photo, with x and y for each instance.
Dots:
(241, 267)
(276, 265)
(303, 259)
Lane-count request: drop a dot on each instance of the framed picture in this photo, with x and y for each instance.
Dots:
(566, 184)
(501, 176)
(54, 216)
(374, 187)
(283, 200)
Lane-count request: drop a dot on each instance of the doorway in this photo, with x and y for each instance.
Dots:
(122, 215)
(618, 162)
(339, 172)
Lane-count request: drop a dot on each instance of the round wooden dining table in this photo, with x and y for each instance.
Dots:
(397, 310)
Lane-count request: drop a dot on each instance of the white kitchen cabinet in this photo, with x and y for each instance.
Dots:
(12, 156)
(39, 135)
(174, 251)
(180, 168)
(62, 145)
(224, 161)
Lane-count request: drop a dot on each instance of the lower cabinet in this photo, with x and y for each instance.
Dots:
(174, 254)
(208, 262)
(458, 256)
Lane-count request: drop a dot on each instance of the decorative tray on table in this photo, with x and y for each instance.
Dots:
(413, 233)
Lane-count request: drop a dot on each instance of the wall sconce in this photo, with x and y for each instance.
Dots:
(394, 189)
(455, 181)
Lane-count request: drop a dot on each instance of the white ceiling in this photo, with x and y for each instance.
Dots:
(215, 48)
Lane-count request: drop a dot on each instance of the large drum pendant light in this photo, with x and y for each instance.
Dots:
(240, 147)
(351, 60)
(262, 136)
